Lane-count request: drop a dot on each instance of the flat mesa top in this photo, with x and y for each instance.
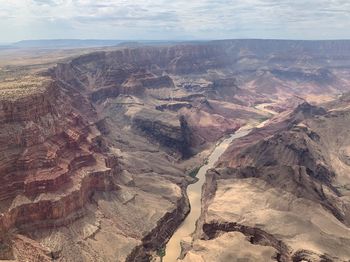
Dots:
(15, 88)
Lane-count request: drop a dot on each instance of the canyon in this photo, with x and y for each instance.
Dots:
(98, 148)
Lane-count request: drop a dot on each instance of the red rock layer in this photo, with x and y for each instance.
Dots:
(50, 163)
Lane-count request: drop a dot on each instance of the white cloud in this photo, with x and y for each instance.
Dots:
(169, 19)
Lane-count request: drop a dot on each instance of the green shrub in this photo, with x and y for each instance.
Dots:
(194, 172)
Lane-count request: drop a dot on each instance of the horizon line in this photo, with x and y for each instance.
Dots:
(173, 40)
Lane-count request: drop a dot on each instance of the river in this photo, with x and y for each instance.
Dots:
(264, 107)
(194, 192)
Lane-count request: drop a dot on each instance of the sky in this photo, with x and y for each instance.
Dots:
(173, 19)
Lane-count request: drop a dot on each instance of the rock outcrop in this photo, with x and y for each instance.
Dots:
(48, 166)
(103, 135)
(60, 171)
(286, 190)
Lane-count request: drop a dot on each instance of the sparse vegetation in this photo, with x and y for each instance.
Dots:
(161, 253)
(193, 173)
(12, 88)
(262, 119)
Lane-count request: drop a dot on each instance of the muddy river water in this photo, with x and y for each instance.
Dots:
(194, 192)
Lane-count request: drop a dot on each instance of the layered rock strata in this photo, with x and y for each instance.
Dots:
(284, 192)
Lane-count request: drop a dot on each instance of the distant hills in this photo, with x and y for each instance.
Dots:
(86, 43)
(79, 43)
(63, 43)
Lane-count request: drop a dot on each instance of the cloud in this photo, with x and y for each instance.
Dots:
(46, 2)
(180, 19)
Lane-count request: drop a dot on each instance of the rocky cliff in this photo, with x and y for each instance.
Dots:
(100, 136)
(63, 178)
(284, 194)
(49, 167)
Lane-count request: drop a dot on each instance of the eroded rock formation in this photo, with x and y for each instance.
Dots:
(285, 190)
(95, 151)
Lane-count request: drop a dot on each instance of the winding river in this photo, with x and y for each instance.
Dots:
(194, 191)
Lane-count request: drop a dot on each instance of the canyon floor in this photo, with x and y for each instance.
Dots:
(98, 146)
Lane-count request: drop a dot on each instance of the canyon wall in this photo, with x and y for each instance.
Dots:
(113, 133)
(284, 189)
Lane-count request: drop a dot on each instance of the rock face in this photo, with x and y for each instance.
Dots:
(286, 191)
(48, 166)
(98, 137)
(267, 67)
(175, 135)
(61, 181)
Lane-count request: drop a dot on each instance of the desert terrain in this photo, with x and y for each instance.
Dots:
(98, 147)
